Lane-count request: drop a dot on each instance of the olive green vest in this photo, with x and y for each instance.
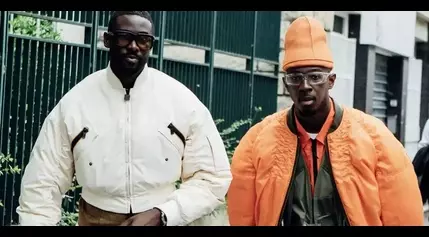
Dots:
(324, 208)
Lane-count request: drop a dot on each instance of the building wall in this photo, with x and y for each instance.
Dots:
(71, 33)
(422, 53)
(393, 31)
(412, 126)
(421, 30)
(406, 28)
(423, 14)
(344, 54)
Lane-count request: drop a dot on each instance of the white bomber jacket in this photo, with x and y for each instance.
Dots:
(127, 154)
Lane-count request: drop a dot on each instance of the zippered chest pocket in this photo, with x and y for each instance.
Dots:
(171, 151)
(170, 135)
(81, 142)
(86, 160)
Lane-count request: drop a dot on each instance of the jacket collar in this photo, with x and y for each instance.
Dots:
(337, 118)
(116, 83)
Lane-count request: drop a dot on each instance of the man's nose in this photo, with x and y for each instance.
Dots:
(133, 45)
(304, 85)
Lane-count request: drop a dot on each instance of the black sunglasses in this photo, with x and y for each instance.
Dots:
(123, 38)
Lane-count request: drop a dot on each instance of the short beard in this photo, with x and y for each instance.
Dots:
(307, 112)
(123, 69)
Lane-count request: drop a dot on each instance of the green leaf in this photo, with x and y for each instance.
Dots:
(25, 25)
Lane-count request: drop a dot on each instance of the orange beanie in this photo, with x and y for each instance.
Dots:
(305, 45)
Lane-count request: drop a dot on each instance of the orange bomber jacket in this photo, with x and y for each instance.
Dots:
(373, 174)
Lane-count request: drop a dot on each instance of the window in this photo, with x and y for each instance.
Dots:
(338, 24)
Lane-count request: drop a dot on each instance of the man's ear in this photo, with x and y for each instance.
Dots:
(106, 40)
(331, 80)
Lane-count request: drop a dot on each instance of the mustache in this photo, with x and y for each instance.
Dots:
(123, 55)
(302, 97)
(136, 55)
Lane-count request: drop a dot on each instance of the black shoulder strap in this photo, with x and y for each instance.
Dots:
(79, 136)
(176, 131)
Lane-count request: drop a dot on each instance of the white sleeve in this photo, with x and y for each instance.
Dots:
(425, 136)
(206, 174)
(48, 175)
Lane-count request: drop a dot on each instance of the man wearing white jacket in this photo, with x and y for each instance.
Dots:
(128, 132)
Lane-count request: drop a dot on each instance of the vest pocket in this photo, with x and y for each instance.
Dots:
(86, 157)
(171, 152)
(86, 172)
(82, 143)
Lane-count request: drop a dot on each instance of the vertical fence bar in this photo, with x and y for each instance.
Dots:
(252, 62)
(211, 58)
(94, 41)
(3, 60)
(161, 38)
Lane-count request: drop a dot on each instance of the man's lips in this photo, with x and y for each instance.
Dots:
(306, 98)
(131, 58)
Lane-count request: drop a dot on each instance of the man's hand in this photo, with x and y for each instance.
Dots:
(148, 218)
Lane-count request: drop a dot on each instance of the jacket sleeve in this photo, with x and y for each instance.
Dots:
(242, 194)
(400, 198)
(206, 173)
(48, 175)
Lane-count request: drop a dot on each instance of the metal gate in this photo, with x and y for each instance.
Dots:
(35, 73)
(380, 98)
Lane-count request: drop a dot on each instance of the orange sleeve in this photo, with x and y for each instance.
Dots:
(241, 194)
(400, 198)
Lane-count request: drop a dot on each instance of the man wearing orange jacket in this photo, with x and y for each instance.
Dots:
(320, 163)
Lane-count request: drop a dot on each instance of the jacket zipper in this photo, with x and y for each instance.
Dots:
(128, 146)
(336, 189)
(315, 170)
(281, 219)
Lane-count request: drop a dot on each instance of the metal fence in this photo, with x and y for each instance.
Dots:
(36, 72)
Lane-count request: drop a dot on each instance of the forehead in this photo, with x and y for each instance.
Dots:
(307, 69)
(133, 23)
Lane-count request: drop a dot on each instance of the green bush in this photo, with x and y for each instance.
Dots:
(227, 134)
(8, 166)
(25, 25)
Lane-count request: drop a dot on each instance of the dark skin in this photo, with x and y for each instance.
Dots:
(151, 217)
(311, 102)
(127, 63)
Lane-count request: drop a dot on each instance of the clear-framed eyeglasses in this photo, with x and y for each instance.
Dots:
(313, 78)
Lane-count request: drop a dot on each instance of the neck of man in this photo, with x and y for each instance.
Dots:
(126, 76)
(314, 123)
